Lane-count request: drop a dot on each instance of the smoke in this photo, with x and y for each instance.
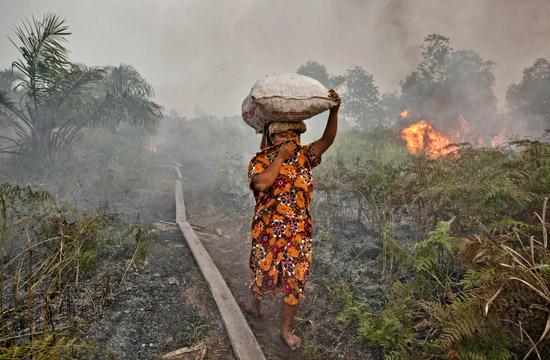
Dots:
(209, 53)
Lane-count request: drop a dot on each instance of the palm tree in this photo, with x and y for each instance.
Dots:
(55, 99)
(126, 97)
(47, 110)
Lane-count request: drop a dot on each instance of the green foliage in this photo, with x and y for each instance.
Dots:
(145, 241)
(193, 332)
(49, 348)
(478, 314)
(54, 98)
(126, 98)
(480, 348)
(352, 308)
(433, 257)
(379, 144)
(47, 113)
(362, 102)
(474, 186)
(392, 328)
(476, 284)
(528, 100)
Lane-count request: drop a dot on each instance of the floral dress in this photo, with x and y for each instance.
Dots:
(280, 257)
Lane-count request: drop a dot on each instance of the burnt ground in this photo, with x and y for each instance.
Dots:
(166, 305)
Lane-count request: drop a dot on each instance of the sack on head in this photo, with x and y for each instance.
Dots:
(284, 97)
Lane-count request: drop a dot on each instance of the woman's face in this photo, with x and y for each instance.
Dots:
(285, 135)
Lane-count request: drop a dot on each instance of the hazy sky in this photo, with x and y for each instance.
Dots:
(207, 54)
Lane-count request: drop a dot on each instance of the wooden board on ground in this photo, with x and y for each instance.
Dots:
(180, 205)
(178, 171)
(241, 337)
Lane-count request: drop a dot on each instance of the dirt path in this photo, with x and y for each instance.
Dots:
(229, 250)
(322, 334)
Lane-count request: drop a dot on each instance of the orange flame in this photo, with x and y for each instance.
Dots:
(405, 114)
(151, 146)
(499, 139)
(466, 128)
(422, 138)
(467, 133)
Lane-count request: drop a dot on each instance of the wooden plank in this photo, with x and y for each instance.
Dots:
(180, 205)
(241, 337)
(178, 171)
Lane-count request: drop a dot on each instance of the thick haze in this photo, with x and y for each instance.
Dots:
(206, 54)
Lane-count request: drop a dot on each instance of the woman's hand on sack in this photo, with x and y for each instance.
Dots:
(287, 149)
(334, 96)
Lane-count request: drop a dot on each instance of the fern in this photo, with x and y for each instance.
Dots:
(392, 328)
(460, 319)
(474, 279)
(434, 255)
(480, 348)
(352, 308)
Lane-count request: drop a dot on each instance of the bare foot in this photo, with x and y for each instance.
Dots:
(291, 340)
(255, 307)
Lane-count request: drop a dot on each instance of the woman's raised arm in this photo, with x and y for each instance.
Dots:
(321, 145)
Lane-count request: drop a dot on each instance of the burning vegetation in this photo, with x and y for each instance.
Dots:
(421, 138)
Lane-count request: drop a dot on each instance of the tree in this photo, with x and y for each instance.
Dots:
(54, 99)
(420, 87)
(46, 112)
(319, 72)
(451, 85)
(126, 97)
(529, 101)
(391, 108)
(362, 99)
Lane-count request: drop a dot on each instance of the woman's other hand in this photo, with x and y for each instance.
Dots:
(334, 96)
(321, 145)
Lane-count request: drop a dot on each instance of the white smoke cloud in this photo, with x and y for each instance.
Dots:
(209, 53)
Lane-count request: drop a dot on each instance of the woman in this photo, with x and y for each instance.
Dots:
(280, 177)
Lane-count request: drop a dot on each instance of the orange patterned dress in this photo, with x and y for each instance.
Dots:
(280, 257)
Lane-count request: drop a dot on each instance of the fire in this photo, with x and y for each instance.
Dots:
(466, 128)
(499, 139)
(467, 133)
(422, 138)
(151, 146)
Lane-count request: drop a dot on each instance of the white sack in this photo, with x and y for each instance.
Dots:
(284, 97)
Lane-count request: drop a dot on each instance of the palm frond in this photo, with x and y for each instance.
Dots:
(6, 103)
(44, 56)
(127, 98)
(77, 81)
